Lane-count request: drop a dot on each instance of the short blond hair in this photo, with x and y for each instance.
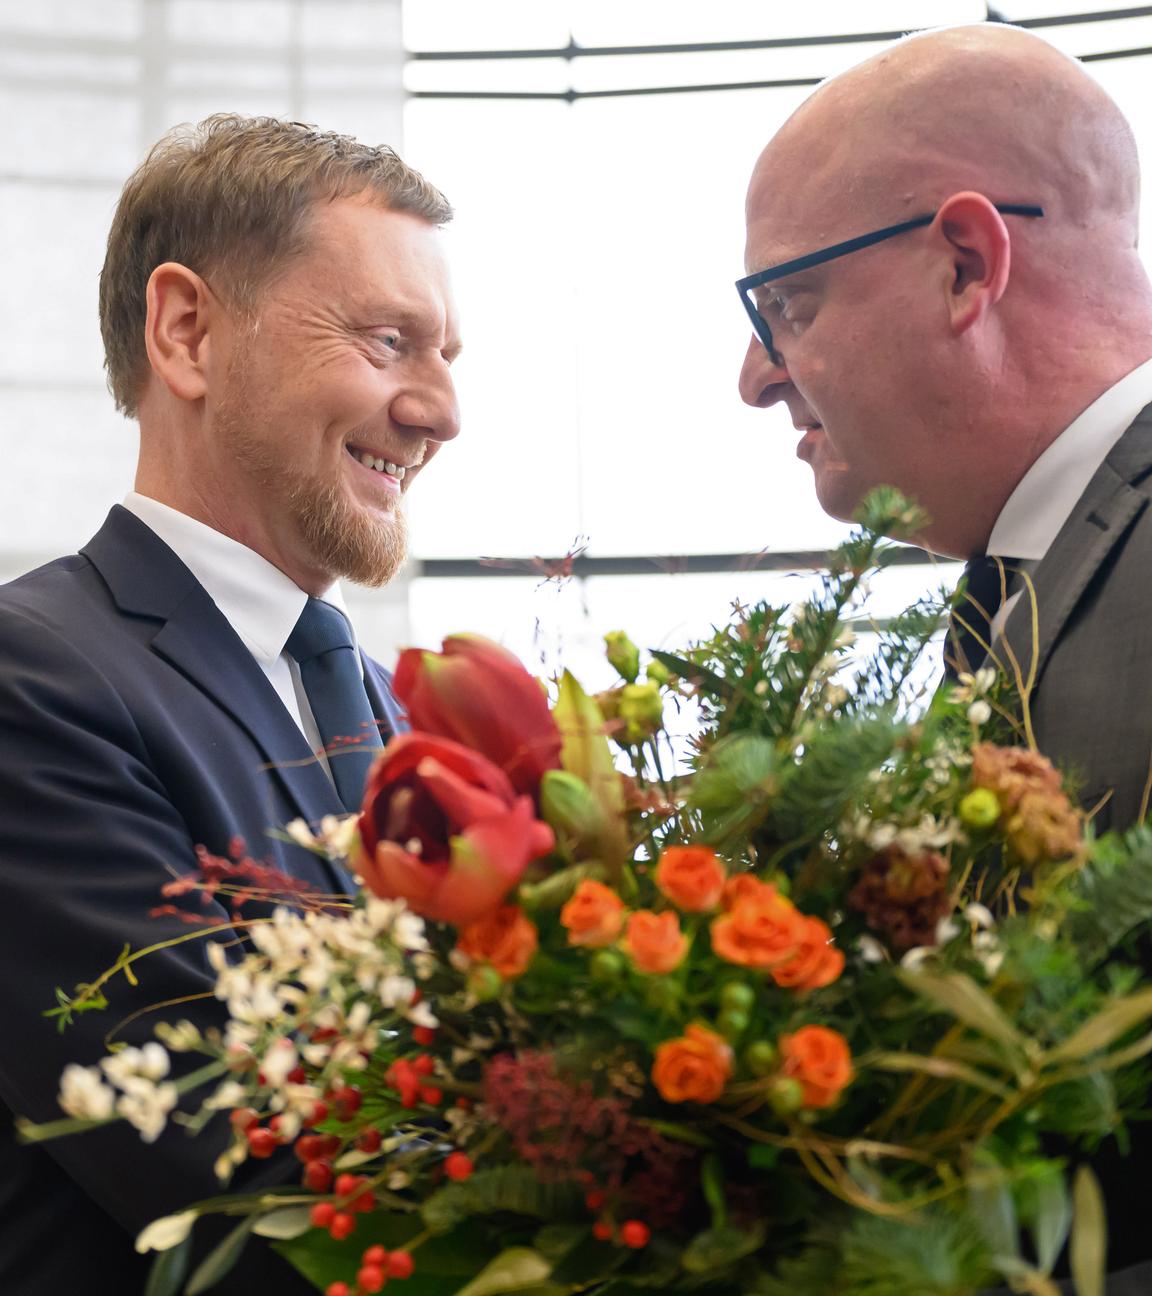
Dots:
(230, 199)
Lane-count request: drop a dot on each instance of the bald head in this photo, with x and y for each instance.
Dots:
(989, 108)
(946, 360)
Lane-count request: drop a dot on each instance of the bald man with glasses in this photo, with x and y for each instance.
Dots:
(944, 289)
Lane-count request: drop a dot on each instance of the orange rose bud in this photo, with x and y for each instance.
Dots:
(816, 963)
(762, 929)
(654, 942)
(694, 1068)
(741, 885)
(594, 915)
(691, 877)
(820, 1060)
(505, 939)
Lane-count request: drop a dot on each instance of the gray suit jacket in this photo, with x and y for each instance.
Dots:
(1092, 714)
(1092, 702)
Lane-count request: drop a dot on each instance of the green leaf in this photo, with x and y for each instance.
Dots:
(512, 1188)
(992, 1207)
(1088, 1249)
(963, 999)
(706, 680)
(717, 1248)
(942, 1068)
(168, 1270)
(554, 1241)
(735, 784)
(763, 1157)
(220, 1259)
(1113, 892)
(1117, 1019)
(288, 1222)
(1052, 1215)
(512, 1271)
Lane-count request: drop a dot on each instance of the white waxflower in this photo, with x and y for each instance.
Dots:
(979, 916)
(301, 834)
(421, 1015)
(396, 991)
(230, 1093)
(398, 1180)
(882, 836)
(870, 950)
(917, 957)
(947, 929)
(408, 932)
(151, 1062)
(278, 1061)
(979, 713)
(338, 834)
(991, 962)
(145, 1106)
(181, 1037)
(84, 1095)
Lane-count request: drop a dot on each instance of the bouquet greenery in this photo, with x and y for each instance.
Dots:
(829, 1005)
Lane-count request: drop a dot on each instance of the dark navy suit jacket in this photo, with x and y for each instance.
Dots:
(134, 726)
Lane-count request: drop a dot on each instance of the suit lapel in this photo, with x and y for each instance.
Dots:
(385, 707)
(147, 579)
(1102, 516)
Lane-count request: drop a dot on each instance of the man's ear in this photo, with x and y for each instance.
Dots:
(180, 306)
(980, 252)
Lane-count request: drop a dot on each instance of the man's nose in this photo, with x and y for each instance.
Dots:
(429, 404)
(762, 377)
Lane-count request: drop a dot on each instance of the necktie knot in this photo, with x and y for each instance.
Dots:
(985, 587)
(320, 629)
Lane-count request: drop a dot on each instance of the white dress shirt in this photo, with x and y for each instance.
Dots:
(1047, 493)
(258, 601)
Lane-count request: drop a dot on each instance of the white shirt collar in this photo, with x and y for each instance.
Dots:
(260, 602)
(1047, 493)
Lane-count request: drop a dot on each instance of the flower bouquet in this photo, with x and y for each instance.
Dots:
(828, 1003)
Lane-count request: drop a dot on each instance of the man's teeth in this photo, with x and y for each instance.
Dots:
(381, 465)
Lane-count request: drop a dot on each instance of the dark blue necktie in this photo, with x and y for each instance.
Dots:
(330, 671)
(987, 584)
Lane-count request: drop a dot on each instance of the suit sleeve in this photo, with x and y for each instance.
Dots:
(88, 837)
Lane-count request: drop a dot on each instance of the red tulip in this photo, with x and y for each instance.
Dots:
(479, 694)
(443, 829)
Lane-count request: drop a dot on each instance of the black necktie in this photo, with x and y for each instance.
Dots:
(322, 645)
(986, 585)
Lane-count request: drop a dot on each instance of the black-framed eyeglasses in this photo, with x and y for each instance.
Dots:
(746, 286)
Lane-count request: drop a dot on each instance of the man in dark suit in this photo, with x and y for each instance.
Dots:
(946, 294)
(277, 316)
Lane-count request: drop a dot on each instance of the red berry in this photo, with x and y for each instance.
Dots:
(319, 1113)
(602, 1231)
(343, 1225)
(322, 1214)
(635, 1234)
(594, 1200)
(371, 1278)
(432, 1096)
(276, 1124)
(347, 1102)
(318, 1176)
(465, 1104)
(338, 1289)
(243, 1119)
(424, 1065)
(457, 1165)
(309, 1147)
(424, 1035)
(375, 1255)
(262, 1143)
(297, 1075)
(369, 1140)
(400, 1265)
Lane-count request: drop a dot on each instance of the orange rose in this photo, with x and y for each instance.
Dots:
(816, 962)
(594, 915)
(741, 885)
(762, 929)
(506, 939)
(820, 1060)
(693, 1068)
(654, 942)
(691, 877)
